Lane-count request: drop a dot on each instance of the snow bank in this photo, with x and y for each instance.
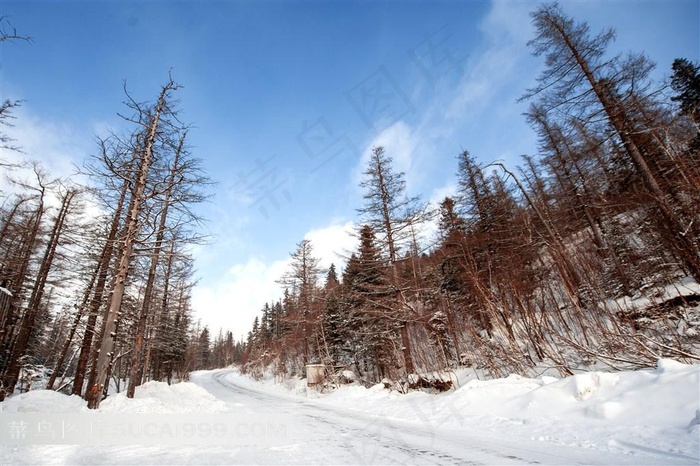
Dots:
(43, 401)
(655, 410)
(667, 395)
(159, 397)
(151, 397)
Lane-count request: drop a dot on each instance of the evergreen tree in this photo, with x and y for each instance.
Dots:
(392, 215)
(686, 82)
(331, 279)
(204, 349)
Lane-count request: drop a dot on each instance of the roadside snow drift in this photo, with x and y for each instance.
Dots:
(653, 410)
(647, 416)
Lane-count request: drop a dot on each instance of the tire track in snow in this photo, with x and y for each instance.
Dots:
(343, 436)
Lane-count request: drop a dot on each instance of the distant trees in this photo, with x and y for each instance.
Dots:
(302, 281)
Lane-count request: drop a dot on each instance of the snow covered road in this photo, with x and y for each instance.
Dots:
(351, 426)
(326, 434)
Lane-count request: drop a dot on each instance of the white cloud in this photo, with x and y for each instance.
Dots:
(507, 29)
(59, 146)
(509, 22)
(233, 301)
(333, 244)
(439, 194)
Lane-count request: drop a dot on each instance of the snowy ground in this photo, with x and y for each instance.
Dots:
(641, 417)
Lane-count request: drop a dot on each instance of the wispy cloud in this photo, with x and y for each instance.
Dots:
(399, 141)
(500, 66)
(58, 146)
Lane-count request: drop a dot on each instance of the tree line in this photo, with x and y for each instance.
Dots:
(544, 264)
(113, 253)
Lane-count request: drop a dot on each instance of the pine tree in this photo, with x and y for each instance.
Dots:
(686, 82)
(331, 279)
(392, 215)
(203, 349)
(302, 279)
(368, 300)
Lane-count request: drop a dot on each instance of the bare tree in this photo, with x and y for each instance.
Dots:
(136, 362)
(577, 73)
(27, 324)
(151, 121)
(302, 280)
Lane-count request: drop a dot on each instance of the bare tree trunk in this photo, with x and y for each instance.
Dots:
(132, 230)
(137, 366)
(102, 269)
(12, 373)
(620, 122)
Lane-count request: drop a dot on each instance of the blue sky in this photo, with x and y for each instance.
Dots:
(286, 98)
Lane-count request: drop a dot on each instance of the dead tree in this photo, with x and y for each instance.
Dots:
(152, 121)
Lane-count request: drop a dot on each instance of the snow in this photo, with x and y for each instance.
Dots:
(647, 416)
(43, 401)
(161, 398)
(653, 408)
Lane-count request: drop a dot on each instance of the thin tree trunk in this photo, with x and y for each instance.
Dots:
(20, 346)
(137, 365)
(86, 350)
(132, 230)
